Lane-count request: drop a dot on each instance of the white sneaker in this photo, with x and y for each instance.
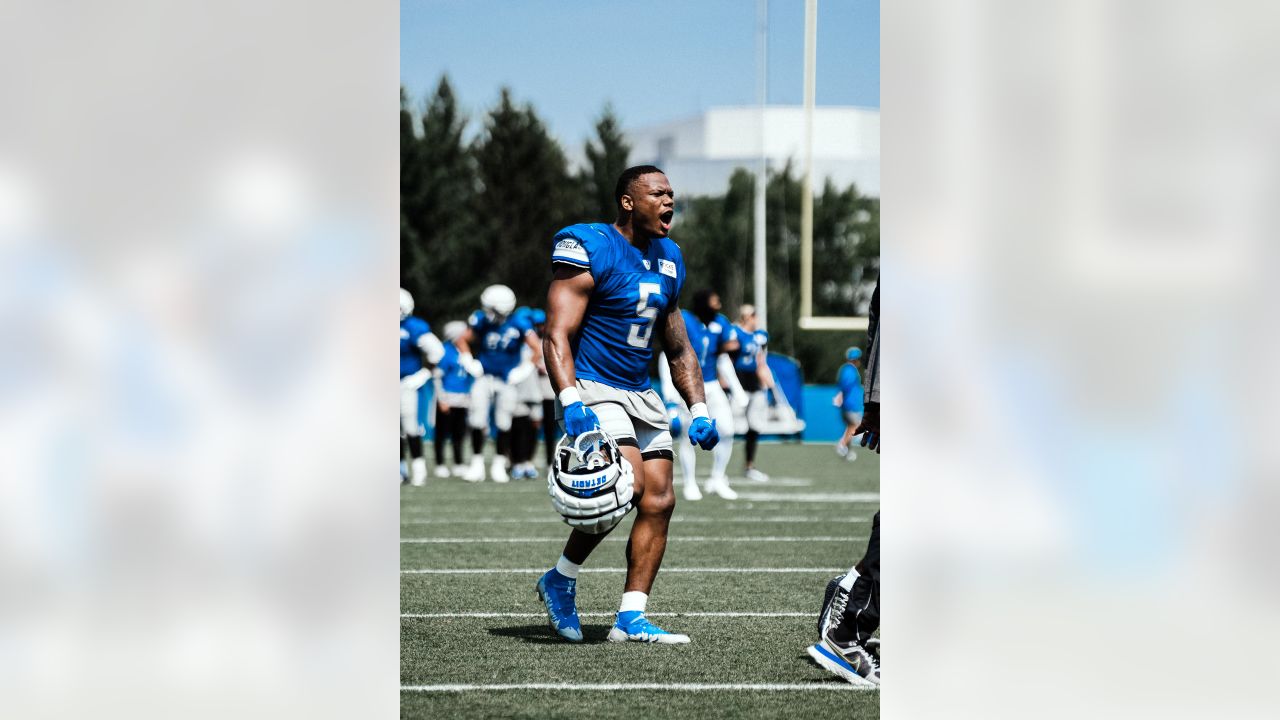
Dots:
(755, 475)
(498, 470)
(442, 471)
(691, 491)
(842, 450)
(720, 486)
(475, 473)
(459, 470)
(418, 472)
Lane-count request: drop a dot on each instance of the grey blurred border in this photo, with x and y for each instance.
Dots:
(197, 244)
(1080, 357)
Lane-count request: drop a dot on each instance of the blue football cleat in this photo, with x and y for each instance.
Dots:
(556, 592)
(633, 625)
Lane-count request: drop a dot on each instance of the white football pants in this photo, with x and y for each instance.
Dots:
(409, 386)
(721, 411)
(491, 391)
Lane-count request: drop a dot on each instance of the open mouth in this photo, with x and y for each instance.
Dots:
(665, 218)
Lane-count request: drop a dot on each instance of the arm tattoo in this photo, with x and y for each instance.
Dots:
(686, 375)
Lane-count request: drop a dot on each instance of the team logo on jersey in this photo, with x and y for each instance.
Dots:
(646, 264)
(568, 244)
(666, 267)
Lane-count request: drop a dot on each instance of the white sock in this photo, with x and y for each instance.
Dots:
(566, 568)
(720, 455)
(633, 600)
(850, 578)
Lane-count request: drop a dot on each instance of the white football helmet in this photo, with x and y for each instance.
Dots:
(406, 304)
(591, 484)
(498, 301)
(453, 330)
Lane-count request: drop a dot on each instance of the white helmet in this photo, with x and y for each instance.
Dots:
(406, 304)
(591, 484)
(453, 330)
(498, 301)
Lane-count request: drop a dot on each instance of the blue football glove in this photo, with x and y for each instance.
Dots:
(673, 415)
(702, 432)
(579, 418)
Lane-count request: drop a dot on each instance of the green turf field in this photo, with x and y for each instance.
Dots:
(769, 553)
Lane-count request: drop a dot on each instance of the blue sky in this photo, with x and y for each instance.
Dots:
(655, 61)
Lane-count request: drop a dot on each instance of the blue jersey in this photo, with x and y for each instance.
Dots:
(850, 388)
(750, 345)
(499, 344)
(453, 377)
(412, 329)
(634, 290)
(708, 341)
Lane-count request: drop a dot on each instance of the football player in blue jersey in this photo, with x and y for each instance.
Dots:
(527, 415)
(751, 381)
(550, 429)
(615, 288)
(454, 376)
(419, 349)
(849, 400)
(711, 335)
(500, 338)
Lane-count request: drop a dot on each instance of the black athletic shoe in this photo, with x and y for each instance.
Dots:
(826, 617)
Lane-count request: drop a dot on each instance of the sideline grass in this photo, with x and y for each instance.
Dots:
(520, 650)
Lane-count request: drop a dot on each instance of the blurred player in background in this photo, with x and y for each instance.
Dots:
(710, 334)
(550, 428)
(750, 380)
(419, 349)
(500, 339)
(615, 287)
(849, 400)
(847, 646)
(454, 376)
(527, 416)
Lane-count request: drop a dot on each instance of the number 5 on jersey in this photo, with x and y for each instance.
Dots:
(640, 334)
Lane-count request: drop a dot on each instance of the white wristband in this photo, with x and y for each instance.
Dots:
(699, 410)
(569, 396)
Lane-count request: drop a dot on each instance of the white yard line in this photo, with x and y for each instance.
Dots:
(726, 614)
(850, 497)
(539, 571)
(555, 520)
(680, 687)
(675, 538)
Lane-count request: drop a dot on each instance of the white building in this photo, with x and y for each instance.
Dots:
(700, 153)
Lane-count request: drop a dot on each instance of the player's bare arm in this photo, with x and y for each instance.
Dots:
(531, 339)
(686, 375)
(567, 300)
(763, 371)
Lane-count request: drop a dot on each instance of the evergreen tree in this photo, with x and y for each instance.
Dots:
(437, 182)
(411, 188)
(525, 195)
(606, 159)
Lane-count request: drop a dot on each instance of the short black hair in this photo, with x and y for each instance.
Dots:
(628, 176)
(702, 304)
